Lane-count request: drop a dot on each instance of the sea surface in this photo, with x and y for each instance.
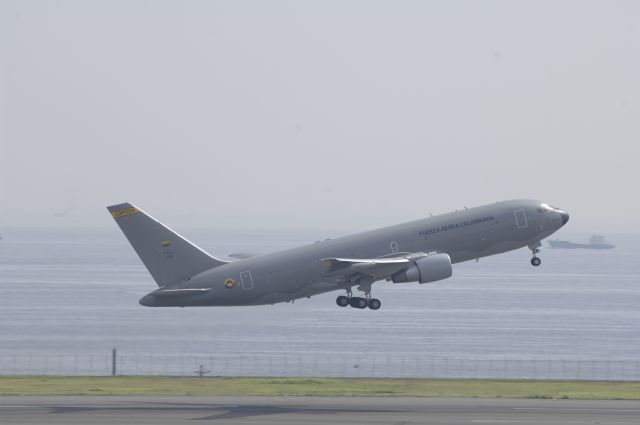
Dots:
(70, 296)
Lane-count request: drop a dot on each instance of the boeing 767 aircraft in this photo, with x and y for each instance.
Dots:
(419, 251)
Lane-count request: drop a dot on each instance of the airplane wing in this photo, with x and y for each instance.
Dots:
(336, 263)
(356, 269)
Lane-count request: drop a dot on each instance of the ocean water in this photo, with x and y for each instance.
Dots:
(69, 296)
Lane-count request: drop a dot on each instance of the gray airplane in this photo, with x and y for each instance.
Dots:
(419, 251)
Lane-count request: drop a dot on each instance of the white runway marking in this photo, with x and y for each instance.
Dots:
(576, 409)
(19, 406)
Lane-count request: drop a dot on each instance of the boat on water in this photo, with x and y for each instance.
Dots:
(595, 242)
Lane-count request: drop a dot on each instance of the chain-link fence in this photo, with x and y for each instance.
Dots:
(327, 365)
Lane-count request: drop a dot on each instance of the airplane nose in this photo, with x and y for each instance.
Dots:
(565, 217)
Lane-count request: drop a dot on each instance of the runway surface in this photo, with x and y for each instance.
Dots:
(85, 410)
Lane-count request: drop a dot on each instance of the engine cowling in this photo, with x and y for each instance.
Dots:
(426, 269)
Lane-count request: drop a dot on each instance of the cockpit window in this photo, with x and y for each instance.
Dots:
(545, 208)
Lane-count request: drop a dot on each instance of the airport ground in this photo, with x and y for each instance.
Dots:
(52, 400)
(161, 410)
(361, 387)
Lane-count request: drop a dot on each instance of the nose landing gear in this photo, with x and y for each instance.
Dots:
(535, 248)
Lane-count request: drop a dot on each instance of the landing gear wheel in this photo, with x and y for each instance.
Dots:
(357, 302)
(342, 301)
(374, 303)
(535, 249)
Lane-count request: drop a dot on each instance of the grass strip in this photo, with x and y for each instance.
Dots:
(158, 385)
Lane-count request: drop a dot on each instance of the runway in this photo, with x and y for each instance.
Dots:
(90, 410)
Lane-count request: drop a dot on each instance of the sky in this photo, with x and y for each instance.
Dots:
(343, 115)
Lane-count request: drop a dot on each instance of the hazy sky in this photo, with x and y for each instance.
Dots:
(325, 114)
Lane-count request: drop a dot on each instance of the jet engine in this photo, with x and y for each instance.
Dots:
(426, 269)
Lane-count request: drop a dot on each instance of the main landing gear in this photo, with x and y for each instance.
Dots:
(358, 302)
(535, 248)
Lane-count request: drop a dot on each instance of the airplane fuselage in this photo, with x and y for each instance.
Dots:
(464, 235)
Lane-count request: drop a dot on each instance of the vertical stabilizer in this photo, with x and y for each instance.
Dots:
(168, 256)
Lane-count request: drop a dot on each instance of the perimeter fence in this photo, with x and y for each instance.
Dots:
(316, 365)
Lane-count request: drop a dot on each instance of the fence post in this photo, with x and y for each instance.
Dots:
(114, 355)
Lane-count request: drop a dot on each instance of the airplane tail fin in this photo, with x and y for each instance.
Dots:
(168, 256)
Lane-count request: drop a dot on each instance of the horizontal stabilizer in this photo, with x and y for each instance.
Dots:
(241, 255)
(179, 292)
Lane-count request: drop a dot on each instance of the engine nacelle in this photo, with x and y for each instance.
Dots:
(426, 269)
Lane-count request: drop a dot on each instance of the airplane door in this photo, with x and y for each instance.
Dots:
(394, 246)
(247, 280)
(521, 218)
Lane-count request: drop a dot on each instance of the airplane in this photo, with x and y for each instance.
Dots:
(419, 251)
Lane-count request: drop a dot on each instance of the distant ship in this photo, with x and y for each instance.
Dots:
(596, 242)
